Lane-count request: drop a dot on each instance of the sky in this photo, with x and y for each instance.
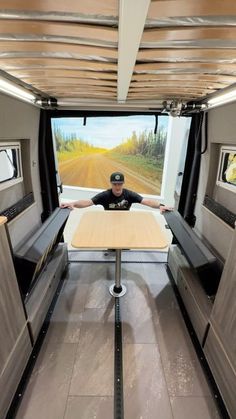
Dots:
(108, 132)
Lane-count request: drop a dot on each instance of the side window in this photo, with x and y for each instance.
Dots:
(227, 168)
(10, 164)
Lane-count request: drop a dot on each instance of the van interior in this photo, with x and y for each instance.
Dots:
(146, 88)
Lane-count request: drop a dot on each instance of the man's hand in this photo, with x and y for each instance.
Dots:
(153, 203)
(82, 203)
(69, 205)
(164, 208)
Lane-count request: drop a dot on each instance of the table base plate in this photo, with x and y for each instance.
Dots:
(117, 294)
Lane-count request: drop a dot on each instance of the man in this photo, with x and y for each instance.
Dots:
(116, 198)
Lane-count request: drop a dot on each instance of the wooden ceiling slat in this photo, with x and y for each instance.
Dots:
(175, 67)
(50, 90)
(168, 82)
(45, 85)
(169, 96)
(172, 95)
(88, 7)
(61, 29)
(69, 80)
(11, 63)
(170, 88)
(207, 54)
(183, 77)
(87, 51)
(160, 98)
(80, 95)
(177, 94)
(189, 34)
(181, 8)
(77, 88)
(53, 73)
(153, 102)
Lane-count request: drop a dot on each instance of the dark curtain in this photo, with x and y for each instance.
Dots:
(191, 171)
(47, 166)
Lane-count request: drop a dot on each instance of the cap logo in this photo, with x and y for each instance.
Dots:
(117, 177)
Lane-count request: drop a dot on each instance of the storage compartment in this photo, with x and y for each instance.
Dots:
(15, 339)
(13, 370)
(33, 255)
(199, 256)
(42, 294)
(222, 369)
(176, 260)
(197, 304)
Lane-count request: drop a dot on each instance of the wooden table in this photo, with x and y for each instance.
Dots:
(118, 230)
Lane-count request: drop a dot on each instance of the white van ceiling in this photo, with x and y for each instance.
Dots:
(127, 53)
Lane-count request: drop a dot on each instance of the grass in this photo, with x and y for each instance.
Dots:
(74, 154)
(147, 167)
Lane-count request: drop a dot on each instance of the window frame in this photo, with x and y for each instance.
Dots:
(220, 180)
(13, 145)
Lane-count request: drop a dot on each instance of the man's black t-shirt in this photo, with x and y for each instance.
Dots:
(111, 202)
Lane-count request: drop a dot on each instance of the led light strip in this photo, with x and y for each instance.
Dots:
(223, 98)
(11, 89)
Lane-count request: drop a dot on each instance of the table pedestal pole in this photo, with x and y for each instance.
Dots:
(118, 290)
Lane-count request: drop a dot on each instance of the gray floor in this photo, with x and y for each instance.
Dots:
(73, 375)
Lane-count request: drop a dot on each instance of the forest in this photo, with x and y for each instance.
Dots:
(146, 143)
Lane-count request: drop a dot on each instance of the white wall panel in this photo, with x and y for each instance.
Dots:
(19, 120)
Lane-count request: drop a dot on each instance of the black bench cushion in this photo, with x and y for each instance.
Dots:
(196, 252)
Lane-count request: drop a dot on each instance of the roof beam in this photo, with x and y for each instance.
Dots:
(132, 18)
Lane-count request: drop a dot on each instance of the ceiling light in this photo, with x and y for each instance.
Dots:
(14, 90)
(223, 98)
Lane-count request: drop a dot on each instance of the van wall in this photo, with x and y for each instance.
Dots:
(221, 131)
(20, 121)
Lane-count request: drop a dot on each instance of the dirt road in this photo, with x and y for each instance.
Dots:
(93, 171)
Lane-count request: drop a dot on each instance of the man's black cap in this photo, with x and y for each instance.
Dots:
(117, 177)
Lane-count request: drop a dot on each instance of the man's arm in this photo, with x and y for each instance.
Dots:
(82, 203)
(155, 204)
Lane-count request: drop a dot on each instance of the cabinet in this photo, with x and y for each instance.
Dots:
(196, 301)
(15, 344)
(219, 314)
(220, 345)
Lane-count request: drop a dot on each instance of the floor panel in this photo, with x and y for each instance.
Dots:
(145, 390)
(93, 368)
(194, 408)
(47, 391)
(74, 373)
(89, 408)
